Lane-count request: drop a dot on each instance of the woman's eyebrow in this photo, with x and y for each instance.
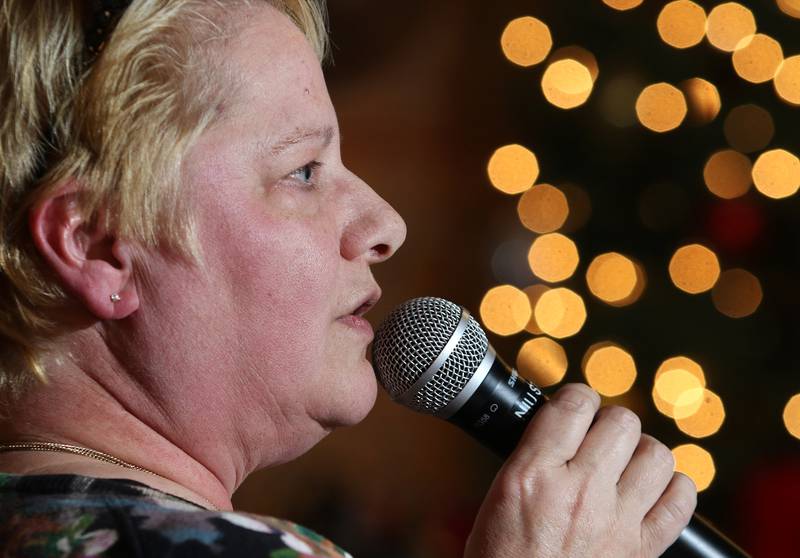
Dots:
(326, 134)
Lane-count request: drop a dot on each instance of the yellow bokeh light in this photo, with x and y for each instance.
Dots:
(791, 416)
(575, 52)
(776, 173)
(526, 41)
(560, 313)
(728, 174)
(505, 310)
(749, 128)
(622, 5)
(682, 24)
(708, 418)
(682, 363)
(737, 294)
(661, 107)
(790, 7)
(534, 293)
(553, 257)
(694, 269)
(567, 83)
(609, 369)
(615, 279)
(696, 463)
(787, 80)
(543, 361)
(759, 59)
(543, 208)
(513, 169)
(677, 393)
(728, 24)
(702, 98)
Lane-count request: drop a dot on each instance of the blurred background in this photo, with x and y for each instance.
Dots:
(611, 186)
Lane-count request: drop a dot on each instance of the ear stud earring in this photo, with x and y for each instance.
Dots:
(115, 297)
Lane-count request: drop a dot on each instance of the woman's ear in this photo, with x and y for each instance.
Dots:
(94, 267)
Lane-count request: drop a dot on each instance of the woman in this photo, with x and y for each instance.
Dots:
(186, 266)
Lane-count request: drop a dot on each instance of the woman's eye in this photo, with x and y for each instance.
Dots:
(306, 173)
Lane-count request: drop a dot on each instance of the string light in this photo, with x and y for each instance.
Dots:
(776, 173)
(694, 269)
(696, 463)
(553, 257)
(609, 369)
(567, 83)
(543, 361)
(682, 24)
(728, 174)
(513, 169)
(661, 107)
(526, 41)
(505, 310)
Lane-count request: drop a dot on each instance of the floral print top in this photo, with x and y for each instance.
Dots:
(55, 516)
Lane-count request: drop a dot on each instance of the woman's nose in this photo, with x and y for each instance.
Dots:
(375, 230)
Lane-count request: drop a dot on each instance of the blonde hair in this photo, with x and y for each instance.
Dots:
(119, 126)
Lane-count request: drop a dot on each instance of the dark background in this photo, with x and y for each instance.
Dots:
(424, 96)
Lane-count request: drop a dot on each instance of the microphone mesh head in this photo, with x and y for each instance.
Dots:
(410, 340)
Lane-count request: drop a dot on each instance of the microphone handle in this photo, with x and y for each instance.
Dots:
(498, 412)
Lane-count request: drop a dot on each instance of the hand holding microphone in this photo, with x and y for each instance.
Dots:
(581, 482)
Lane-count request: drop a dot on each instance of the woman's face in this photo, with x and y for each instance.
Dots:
(266, 344)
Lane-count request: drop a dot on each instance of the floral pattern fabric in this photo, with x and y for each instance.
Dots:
(69, 516)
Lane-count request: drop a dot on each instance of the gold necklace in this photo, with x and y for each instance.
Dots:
(85, 452)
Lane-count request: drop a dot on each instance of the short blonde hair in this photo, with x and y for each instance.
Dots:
(119, 126)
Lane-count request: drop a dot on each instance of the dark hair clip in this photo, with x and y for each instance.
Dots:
(103, 16)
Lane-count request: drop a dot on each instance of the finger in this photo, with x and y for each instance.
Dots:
(610, 443)
(647, 476)
(558, 428)
(664, 522)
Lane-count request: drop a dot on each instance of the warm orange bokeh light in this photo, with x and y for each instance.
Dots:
(661, 107)
(737, 294)
(623, 4)
(580, 54)
(776, 173)
(749, 128)
(682, 23)
(702, 99)
(789, 7)
(526, 41)
(609, 369)
(543, 208)
(543, 361)
(787, 80)
(708, 418)
(567, 83)
(553, 257)
(728, 24)
(505, 310)
(728, 174)
(759, 59)
(615, 279)
(677, 392)
(694, 269)
(696, 463)
(791, 416)
(560, 313)
(513, 169)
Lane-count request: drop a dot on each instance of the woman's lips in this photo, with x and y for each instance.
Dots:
(359, 324)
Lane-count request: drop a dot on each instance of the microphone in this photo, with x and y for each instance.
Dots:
(432, 356)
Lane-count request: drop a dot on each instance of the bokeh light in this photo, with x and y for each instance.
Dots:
(615, 279)
(776, 173)
(682, 363)
(737, 294)
(708, 418)
(505, 310)
(694, 269)
(728, 174)
(759, 59)
(622, 4)
(661, 107)
(682, 24)
(702, 99)
(749, 128)
(787, 80)
(618, 99)
(513, 169)
(728, 24)
(543, 208)
(696, 463)
(580, 207)
(609, 369)
(791, 416)
(534, 293)
(560, 313)
(543, 361)
(553, 257)
(677, 392)
(526, 41)
(575, 52)
(789, 7)
(567, 83)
